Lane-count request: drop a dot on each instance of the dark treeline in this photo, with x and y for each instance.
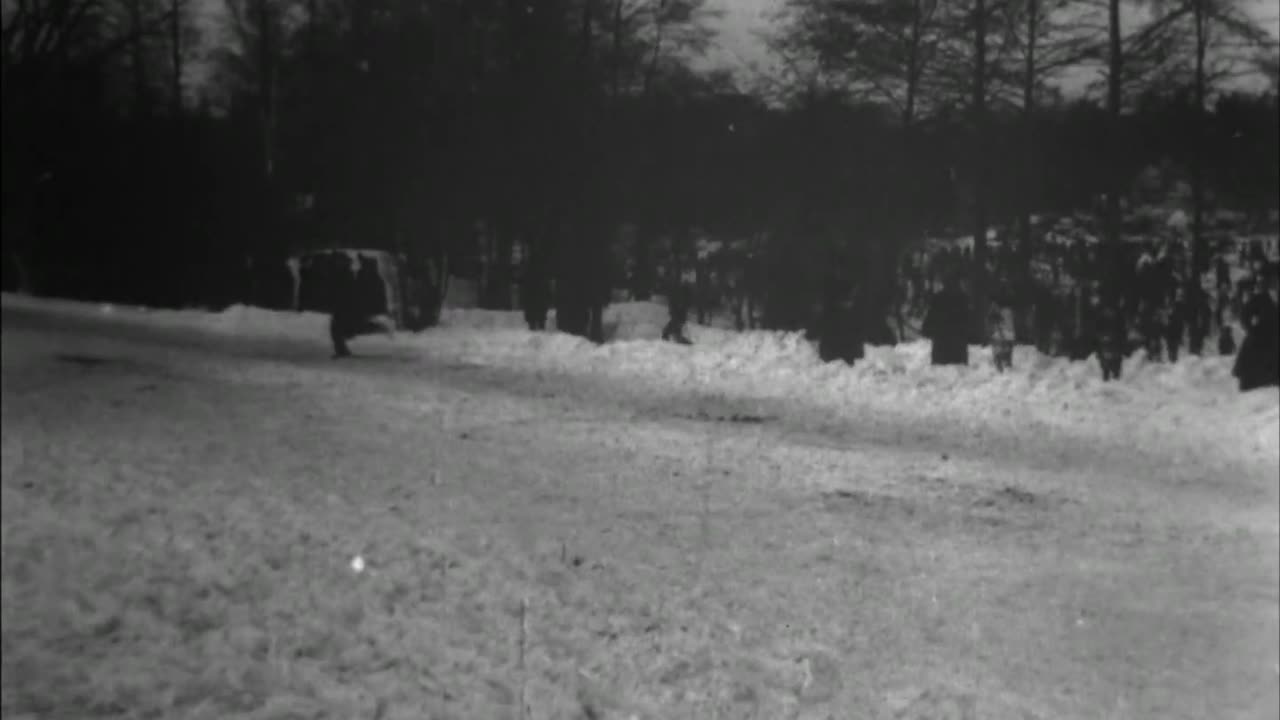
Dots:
(137, 168)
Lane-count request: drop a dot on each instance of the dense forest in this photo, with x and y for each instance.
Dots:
(154, 155)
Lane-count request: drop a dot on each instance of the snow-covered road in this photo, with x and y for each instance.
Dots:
(180, 510)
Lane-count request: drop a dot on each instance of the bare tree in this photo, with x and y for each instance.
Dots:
(253, 62)
(881, 51)
(1049, 43)
(1223, 37)
(981, 161)
(175, 56)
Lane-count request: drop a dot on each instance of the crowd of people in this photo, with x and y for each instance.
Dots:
(1075, 301)
(1084, 304)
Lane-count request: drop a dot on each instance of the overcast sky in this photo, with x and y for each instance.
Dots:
(744, 20)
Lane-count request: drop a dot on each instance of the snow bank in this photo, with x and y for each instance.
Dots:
(1189, 408)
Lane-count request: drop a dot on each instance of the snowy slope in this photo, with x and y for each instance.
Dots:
(1188, 407)
(181, 519)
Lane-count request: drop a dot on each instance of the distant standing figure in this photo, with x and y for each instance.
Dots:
(536, 300)
(1220, 310)
(1223, 273)
(947, 324)
(1000, 326)
(1258, 363)
(1175, 325)
(344, 314)
(1112, 337)
(371, 288)
(678, 313)
(840, 335)
(1198, 318)
(1152, 333)
(1044, 318)
(1226, 341)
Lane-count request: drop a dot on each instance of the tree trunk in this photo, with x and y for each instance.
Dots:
(979, 290)
(1112, 217)
(137, 60)
(503, 243)
(1028, 136)
(1199, 244)
(616, 79)
(642, 283)
(573, 302)
(266, 88)
(659, 25)
(175, 49)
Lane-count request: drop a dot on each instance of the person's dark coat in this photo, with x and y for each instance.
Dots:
(1199, 316)
(344, 300)
(947, 326)
(1045, 318)
(1226, 341)
(371, 289)
(678, 300)
(1001, 331)
(1112, 339)
(422, 296)
(599, 290)
(535, 300)
(1258, 362)
(1223, 273)
(1175, 326)
(1084, 341)
(840, 332)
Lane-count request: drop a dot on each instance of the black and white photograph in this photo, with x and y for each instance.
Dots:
(640, 360)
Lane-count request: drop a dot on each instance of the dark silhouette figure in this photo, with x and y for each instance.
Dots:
(536, 299)
(422, 296)
(1084, 335)
(1223, 305)
(1045, 318)
(1153, 333)
(1226, 341)
(1258, 363)
(371, 289)
(947, 324)
(353, 302)
(344, 314)
(1112, 340)
(1175, 325)
(840, 329)
(1000, 328)
(307, 270)
(677, 313)
(599, 290)
(703, 290)
(1198, 318)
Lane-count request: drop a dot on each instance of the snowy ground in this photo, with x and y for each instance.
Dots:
(731, 530)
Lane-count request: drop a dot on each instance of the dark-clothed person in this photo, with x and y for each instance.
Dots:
(344, 313)
(840, 331)
(535, 300)
(1258, 363)
(1226, 341)
(947, 324)
(678, 313)
(1112, 338)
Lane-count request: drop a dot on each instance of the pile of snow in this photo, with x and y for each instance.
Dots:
(1191, 407)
